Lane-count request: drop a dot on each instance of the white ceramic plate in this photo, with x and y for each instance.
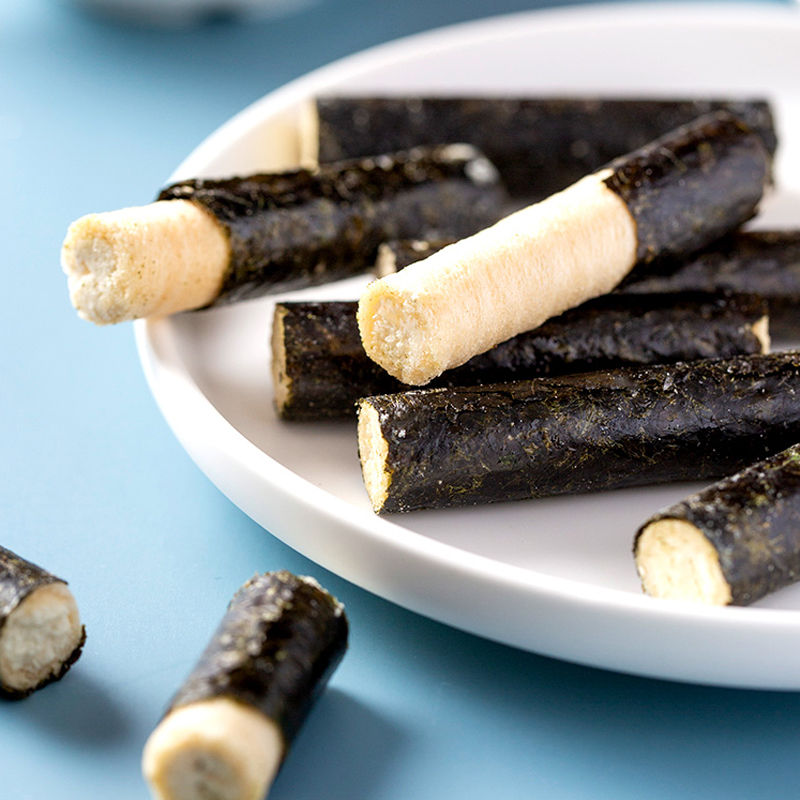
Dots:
(553, 576)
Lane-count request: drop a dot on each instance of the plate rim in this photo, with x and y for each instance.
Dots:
(181, 400)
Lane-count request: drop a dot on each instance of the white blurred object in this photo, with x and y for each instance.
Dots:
(174, 13)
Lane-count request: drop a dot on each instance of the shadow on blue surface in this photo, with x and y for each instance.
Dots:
(348, 743)
(78, 710)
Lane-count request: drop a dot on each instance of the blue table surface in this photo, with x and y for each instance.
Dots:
(94, 115)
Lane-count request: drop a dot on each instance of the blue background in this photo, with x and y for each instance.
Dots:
(95, 115)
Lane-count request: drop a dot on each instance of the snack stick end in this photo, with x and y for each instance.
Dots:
(144, 261)
(215, 748)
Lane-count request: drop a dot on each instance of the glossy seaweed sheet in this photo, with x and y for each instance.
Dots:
(693, 185)
(583, 433)
(766, 263)
(18, 579)
(752, 519)
(325, 369)
(540, 145)
(304, 228)
(275, 649)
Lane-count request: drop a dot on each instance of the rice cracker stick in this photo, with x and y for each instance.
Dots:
(208, 242)
(667, 199)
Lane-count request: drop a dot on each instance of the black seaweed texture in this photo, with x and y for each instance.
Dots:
(766, 263)
(327, 369)
(752, 519)
(18, 578)
(303, 228)
(275, 649)
(590, 432)
(539, 145)
(693, 185)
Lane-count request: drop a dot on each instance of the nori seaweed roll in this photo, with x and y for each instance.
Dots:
(668, 199)
(230, 726)
(766, 263)
(41, 634)
(437, 448)
(539, 145)
(320, 368)
(732, 543)
(206, 242)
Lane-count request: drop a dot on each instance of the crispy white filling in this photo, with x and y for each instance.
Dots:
(148, 261)
(215, 749)
(676, 561)
(509, 278)
(761, 332)
(308, 133)
(281, 382)
(385, 261)
(373, 450)
(38, 637)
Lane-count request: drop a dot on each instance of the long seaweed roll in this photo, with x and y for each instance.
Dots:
(539, 145)
(41, 634)
(731, 543)
(668, 199)
(320, 368)
(766, 263)
(206, 242)
(436, 448)
(230, 726)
